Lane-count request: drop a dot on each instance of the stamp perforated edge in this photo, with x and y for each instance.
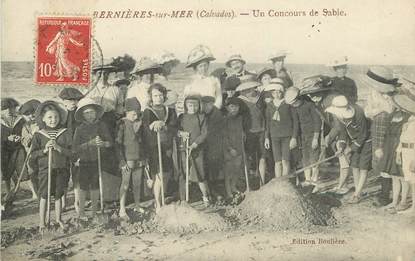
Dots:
(35, 41)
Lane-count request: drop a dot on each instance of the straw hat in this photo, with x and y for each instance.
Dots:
(274, 87)
(278, 56)
(405, 100)
(198, 54)
(235, 57)
(381, 79)
(247, 82)
(263, 71)
(166, 57)
(63, 113)
(83, 104)
(146, 65)
(291, 95)
(29, 107)
(340, 107)
(340, 61)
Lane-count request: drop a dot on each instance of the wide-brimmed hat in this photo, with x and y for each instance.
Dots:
(234, 57)
(166, 57)
(132, 104)
(381, 79)
(291, 95)
(146, 65)
(84, 104)
(63, 113)
(247, 82)
(198, 54)
(70, 93)
(106, 67)
(280, 55)
(29, 107)
(7, 103)
(315, 84)
(340, 107)
(405, 100)
(274, 87)
(122, 82)
(263, 71)
(339, 61)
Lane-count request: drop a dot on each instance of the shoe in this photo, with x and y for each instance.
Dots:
(206, 201)
(354, 199)
(402, 207)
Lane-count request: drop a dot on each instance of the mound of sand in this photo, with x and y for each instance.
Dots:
(182, 218)
(278, 205)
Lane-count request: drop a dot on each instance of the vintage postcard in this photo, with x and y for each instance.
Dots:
(207, 130)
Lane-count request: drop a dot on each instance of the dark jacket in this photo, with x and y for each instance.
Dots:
(308, 118)
(233, 134)
(129, 141)
(59, 159)
(286, 126)
(6, 131)
(347, 87)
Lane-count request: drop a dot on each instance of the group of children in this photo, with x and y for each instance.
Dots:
(260, 122)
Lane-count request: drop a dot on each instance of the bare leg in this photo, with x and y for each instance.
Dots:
(307, 174)
(278, 169)
(262, 170)
(157, 192)
(361, 183)
(63, 201)
(94, 199)
(58, 212)
(42, 214)
(204, 189)
(77, 192)
(137, 176)
(32, 189)
(285, 167)
(125, 183)
(356, 178)
(82, 197)
(344, 173)
(7, 186)
(405, 192)
(316, 172)
(228, 182)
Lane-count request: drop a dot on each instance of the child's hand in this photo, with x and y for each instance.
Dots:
(314, 144)
(233, 152)
(157, 126)
(11, 137)
(379, 153)
(57, 147)
(99, 142)
(184, 134)
(48, 145)
(293, 143)
(340, 146)
(17, 138)
(125, 168)
(398, 158)
(193, 146)
(327, 141)
(267, 144)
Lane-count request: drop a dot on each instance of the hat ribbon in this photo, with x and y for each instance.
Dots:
(378, 78)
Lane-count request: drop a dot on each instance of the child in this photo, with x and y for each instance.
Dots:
(354, 133)
(342, 84)
(233, 146)
(159, 118)
(214, 142)
(12, 152)
(70, 98)
(281, 133)
(129, 147)
(254, 122)
(309, 126)
(30, 127)
(406, 149)
(192, 126)
(51, 135)
(89, 136)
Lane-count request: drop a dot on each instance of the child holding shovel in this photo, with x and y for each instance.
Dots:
(90, 138)
(193, 127)
(160, 128)
(51, 152)
(129, 147)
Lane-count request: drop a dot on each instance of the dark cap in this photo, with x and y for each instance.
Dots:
(231, 83)
(7, 103)
(122, 82)
(132, 104)
(29, 107)
(70, 93)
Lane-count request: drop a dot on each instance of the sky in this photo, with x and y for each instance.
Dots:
(372, 32)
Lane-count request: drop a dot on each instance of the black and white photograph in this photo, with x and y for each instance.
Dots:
(207, 130)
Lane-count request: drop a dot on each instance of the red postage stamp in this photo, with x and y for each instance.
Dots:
(63, 54)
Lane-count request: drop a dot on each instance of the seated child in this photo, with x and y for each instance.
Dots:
(51, 138)
(12, 151)
(281, 132)
(192, 126)
(29, 128)
(129, 147)
(233, 146)
(89, 136)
